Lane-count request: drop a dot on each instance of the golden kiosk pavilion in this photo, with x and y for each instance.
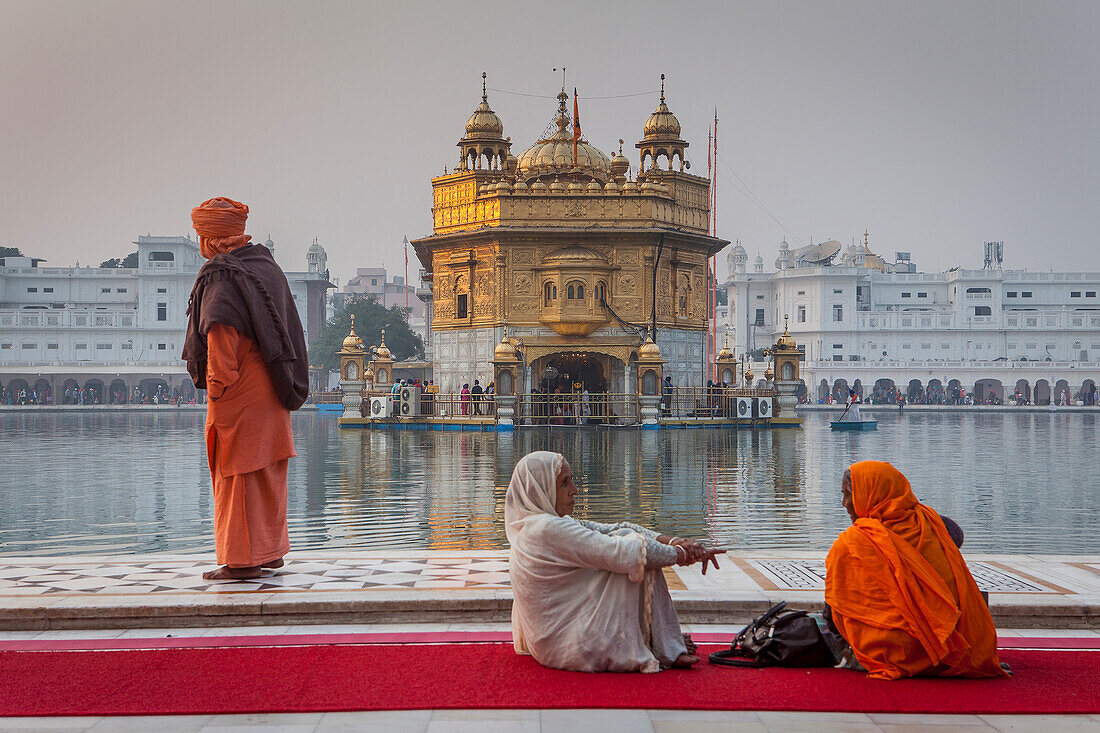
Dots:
(562, 253)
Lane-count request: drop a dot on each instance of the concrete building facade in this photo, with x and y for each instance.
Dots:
(113, 329)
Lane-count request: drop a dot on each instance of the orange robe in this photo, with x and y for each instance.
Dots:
(899, 589)
(248, 442)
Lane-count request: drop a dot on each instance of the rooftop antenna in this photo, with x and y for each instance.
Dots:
(562, 77)
(994, 256)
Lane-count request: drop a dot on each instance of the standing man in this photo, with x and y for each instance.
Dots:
(853, 406)
(477, 391)
(246, 348)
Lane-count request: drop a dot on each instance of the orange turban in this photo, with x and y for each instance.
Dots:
(220, 225)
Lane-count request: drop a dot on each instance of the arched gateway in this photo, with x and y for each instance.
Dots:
(560, 250)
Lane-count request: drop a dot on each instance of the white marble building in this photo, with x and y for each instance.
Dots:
(114, 328)
(861, 319)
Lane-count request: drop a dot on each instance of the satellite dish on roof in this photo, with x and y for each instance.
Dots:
(820, 254)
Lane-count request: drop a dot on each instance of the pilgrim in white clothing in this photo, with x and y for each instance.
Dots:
(588, 597)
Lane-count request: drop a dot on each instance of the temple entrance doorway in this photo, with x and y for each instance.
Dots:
(573, 372)
(578, 388)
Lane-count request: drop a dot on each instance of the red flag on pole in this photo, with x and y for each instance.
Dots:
(576, 126)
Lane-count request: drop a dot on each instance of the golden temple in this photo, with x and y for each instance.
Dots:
(564, 252)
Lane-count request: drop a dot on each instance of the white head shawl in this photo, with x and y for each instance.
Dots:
(533, 490)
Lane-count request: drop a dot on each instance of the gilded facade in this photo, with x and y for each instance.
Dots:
(558, 247)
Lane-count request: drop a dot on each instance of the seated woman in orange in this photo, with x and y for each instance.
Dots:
(897, 588)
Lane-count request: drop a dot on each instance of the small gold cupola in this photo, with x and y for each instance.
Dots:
(661, 136)
(484, 142)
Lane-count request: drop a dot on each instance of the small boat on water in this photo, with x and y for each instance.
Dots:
(854, 425)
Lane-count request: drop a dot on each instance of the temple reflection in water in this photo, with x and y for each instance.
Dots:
(133, 483)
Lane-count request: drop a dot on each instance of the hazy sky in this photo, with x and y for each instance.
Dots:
(934, 125)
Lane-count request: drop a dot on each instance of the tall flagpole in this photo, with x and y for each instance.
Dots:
(714, 220)
(406, 279)
(710, 286)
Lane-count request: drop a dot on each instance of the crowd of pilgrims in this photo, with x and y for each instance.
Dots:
(162, 395)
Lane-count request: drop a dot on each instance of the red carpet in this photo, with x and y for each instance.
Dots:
(390, 677)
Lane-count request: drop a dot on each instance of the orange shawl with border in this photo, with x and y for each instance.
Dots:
(899, 589)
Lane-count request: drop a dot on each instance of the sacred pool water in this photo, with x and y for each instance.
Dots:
(133, 482)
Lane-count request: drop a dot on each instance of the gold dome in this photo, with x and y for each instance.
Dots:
(662, 123)
(768, 374)
(484, 123)
(726, 354)
(504, 350)
(352, 342)
(649, 349)
(554, 155)
(382, 352)
(786, 341)
(748, 377)
(619, 163)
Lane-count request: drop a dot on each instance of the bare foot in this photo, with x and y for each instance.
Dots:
(685, 660)
(276, 563)
(691, 645)
(227, 573)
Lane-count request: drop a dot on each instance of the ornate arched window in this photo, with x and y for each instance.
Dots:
(575, 291)
(550, 292)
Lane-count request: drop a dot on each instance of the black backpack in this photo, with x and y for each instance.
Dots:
(781, 638)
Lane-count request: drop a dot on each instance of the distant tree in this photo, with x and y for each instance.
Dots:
(131, 261)
(10, 252)
(370, 319)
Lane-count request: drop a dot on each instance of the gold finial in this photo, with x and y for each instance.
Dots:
(726, 341)
(383, 337)
(864, 237)
(662, 87)
(785, 318)
(620, 146)
(484, 95)
(352, 324)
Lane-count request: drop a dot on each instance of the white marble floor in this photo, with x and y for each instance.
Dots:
(1069, 579)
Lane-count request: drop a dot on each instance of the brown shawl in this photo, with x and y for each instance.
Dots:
(246, 290)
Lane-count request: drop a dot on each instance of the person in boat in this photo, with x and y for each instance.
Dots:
(854, 402)
(245, 346)
(589, 597)
(897, 588)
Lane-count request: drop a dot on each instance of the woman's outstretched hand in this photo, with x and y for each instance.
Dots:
(696, 552)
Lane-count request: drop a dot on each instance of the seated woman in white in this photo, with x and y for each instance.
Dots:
(589, 597)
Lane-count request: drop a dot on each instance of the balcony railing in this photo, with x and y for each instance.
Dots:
(706, 402)
(458, 406)
(555, 408)
(67, 318)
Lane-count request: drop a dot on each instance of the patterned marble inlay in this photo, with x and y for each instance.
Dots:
(302, 575)
(810, 575)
